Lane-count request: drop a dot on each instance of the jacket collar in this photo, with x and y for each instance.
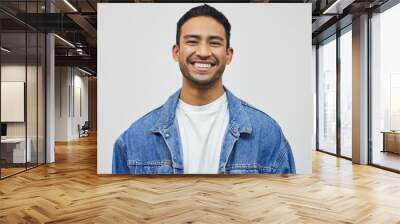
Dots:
(239, 121)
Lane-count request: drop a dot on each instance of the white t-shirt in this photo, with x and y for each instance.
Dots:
(202, 131)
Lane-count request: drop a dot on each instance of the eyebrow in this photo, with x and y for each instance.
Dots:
(216, 37)
(198, 37)
(191, 36)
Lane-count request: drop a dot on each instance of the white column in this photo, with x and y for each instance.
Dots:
(50, 92)
(50, 100)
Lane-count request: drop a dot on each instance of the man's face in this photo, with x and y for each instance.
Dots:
(202, 52)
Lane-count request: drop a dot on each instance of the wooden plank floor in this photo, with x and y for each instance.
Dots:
(70, 191)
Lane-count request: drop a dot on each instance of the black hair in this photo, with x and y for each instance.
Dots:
(204, 10)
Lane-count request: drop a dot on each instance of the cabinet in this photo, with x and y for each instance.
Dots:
(391, 141)
(13, 150)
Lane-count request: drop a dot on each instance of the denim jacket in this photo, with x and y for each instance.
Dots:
(253, 143)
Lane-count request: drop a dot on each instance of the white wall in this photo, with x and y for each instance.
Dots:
(67, 117)
(61, 103)
(79, 117)
(271, 67)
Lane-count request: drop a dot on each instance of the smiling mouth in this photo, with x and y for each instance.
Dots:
(202, 67)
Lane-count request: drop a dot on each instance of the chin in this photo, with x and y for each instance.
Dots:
(203, 83)
(202, 78)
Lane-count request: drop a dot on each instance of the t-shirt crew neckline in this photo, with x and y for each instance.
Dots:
(213, 106)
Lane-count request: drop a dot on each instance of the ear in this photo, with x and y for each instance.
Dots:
(229, 55)
(175, 52)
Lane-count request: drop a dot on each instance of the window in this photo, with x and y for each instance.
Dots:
(385, 88)
(327, 96)
(346, 94)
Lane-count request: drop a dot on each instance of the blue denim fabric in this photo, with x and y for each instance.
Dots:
(253, 144)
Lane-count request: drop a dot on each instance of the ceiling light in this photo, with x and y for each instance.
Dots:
(64, 40)
(70, 5)
(84, 71)
(331, 7)
(337, 7)
(79, 51)
(5, 50)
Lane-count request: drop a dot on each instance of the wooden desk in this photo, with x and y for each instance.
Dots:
(391, 141)
(13, 150)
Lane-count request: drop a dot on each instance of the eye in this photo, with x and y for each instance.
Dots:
(215, 44)
(191, 42)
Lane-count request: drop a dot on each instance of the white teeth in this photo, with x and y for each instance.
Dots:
(201, 65)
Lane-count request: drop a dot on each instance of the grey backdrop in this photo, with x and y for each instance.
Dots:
(271, 67)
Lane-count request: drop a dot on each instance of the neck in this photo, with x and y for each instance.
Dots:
(200, 95)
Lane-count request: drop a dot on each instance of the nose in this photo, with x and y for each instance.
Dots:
(203, 50)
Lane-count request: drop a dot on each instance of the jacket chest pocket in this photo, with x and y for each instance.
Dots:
(150, 167)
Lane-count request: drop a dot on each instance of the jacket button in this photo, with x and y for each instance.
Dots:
(167, 135)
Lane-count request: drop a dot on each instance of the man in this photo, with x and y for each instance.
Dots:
(203, 128)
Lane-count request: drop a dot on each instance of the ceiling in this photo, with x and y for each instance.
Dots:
(76, 22)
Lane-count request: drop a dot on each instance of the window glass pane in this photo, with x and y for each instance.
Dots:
(314, 74)
(346, 93)
(327, 97)
(41, 98)
(31, 86)
(386, 88)
(31, 101)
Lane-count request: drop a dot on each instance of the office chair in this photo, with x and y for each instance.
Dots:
(84, 130)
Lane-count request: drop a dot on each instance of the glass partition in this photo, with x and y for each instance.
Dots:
(41, 107)
(22, 63)
(31, 100)
(13, 95)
